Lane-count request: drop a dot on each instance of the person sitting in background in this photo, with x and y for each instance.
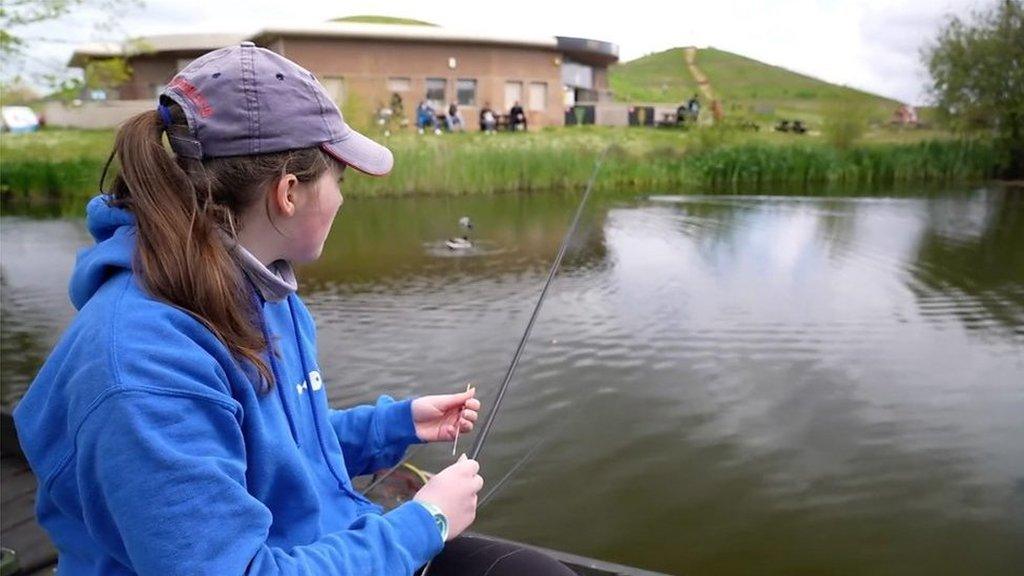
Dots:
(425, 118)
(517, 118)
(398, 109)
(488, 120)
(384, 114)
(454, 118)
(693, 107)
(681, 113)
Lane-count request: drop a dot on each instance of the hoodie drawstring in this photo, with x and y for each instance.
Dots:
(312, 402)
(288, 409)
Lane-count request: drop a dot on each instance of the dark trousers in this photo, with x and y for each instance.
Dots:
(471, 556)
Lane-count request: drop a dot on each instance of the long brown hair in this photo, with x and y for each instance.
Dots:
(181, 207)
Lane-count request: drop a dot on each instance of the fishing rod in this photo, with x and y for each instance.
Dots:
(490, 494)
(390, 471)
(478, 444)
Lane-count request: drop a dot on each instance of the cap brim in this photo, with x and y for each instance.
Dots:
(361, 153)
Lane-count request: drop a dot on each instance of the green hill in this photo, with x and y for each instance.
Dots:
(383, 20)
(746, 87)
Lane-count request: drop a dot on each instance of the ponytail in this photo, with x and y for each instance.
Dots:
(182, 207)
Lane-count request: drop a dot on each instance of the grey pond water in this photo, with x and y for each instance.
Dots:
(727, 385)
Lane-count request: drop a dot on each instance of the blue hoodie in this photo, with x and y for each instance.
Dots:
(156, 454)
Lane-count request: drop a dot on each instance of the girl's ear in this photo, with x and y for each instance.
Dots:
(283, 196)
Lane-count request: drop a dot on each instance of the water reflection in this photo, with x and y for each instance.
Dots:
(36, 258)
(377, 242)
(971, 262)
(738, 384)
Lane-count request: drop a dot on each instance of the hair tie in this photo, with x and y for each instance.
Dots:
(165, 115)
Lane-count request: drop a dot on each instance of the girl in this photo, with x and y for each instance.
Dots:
(181, 426)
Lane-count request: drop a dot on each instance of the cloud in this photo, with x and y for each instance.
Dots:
(873, 45)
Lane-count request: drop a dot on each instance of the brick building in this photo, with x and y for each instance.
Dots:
(363, 65)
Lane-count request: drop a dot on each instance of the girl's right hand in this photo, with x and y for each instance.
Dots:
(453, 490)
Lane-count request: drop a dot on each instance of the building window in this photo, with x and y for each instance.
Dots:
(466, 92)
(577, 75)
(335, 87)
(513, 94)
(538, 96)
(399, 84)
(436, 88)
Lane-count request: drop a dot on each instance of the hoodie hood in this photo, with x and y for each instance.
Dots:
(114, 231)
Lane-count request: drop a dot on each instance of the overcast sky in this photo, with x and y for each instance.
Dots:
(870, 44)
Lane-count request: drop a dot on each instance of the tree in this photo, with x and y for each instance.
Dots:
(17, 92)
(977, 70)
(16, 14)
(107, 74)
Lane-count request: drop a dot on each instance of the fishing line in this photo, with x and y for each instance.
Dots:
(556, 431)
(497, 486)
(478, 444)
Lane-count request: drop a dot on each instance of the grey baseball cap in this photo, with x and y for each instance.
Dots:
(244, 100)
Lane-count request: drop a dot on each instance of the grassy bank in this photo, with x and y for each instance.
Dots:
(63, 166)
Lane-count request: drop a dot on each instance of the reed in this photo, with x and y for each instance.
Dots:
(803, 167)
(62, 167)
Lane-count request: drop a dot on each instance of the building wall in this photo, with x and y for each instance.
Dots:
(601, 80)
(92, 115)
(149, 72)
(364, 69)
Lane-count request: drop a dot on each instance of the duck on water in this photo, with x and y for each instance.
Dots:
(463, 242)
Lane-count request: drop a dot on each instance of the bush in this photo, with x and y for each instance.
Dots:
(844, 124)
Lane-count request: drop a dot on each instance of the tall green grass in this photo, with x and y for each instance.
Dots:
(62, 168)
(803, 167)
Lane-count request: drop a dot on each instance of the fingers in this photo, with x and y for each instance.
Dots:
(446, 402)
(466, 399)
(465, 423)
(467, 466)
(467, 416)
(463, 397)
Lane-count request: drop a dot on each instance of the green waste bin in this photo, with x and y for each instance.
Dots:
(8, 562)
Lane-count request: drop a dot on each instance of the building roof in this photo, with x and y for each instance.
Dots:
(586, 50)
(400, 32)
(160, 43)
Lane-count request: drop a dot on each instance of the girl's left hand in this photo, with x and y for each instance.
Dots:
(435, 417)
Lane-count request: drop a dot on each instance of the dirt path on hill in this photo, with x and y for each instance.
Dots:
(698, 76)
